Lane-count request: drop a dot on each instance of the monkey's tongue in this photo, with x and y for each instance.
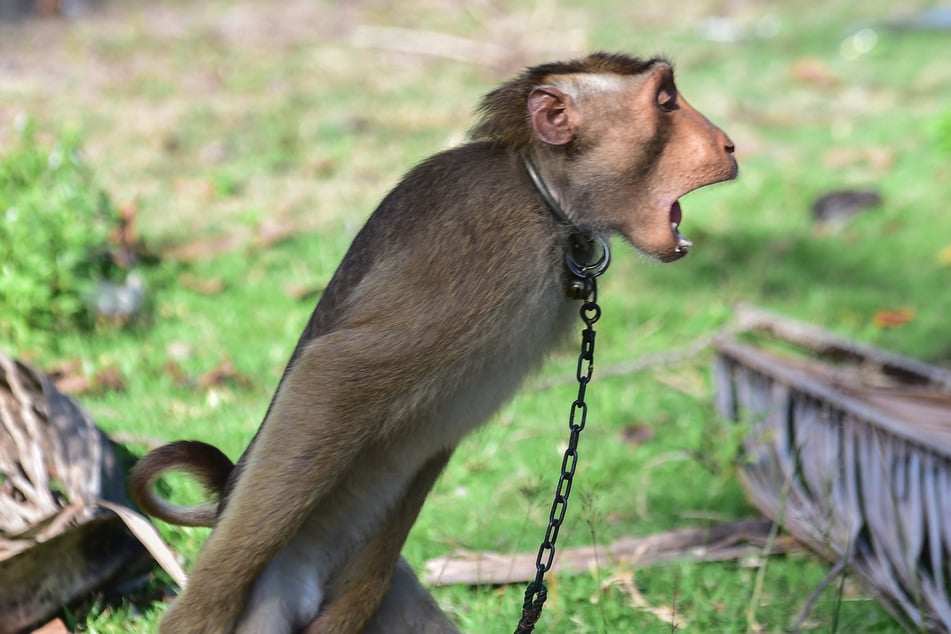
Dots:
(676, 215)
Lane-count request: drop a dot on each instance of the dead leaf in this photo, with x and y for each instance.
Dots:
(66, 367)
(893, 317)
(271, 231)
(149, 537)
(226, 372)
(266, 234)
(125, 237)
(73, 385)
(624, 582)
(301, 292)
(203, 285)
(69, 377)
(878, 159)
(175, 372)
(203, 248)
(56, 626)
(813, 72)
(128, 438)
(637, 434)
(109, 379)
(834, 209)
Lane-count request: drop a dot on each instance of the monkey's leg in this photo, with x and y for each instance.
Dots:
(310, 438)
(356, 589)
(408, 608)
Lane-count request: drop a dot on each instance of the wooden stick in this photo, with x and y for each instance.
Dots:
(718, 542)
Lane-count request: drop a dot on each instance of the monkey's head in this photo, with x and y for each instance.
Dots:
(616, 143)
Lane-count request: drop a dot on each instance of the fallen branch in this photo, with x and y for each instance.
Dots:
(719, 542)
(625, 368)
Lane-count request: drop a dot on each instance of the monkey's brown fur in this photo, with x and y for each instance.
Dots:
(451, 293)
(502, 112)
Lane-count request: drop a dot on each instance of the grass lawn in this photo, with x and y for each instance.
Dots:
(223, 121)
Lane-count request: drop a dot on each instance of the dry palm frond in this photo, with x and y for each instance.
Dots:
(850, 449)
(56, 543)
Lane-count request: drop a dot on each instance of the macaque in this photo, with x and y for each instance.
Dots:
(452, 292)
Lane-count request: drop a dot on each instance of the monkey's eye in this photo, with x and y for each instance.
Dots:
(667, 99)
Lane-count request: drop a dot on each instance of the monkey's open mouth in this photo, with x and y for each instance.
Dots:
(676, 215)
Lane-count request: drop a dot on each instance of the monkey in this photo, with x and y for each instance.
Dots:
(454, 289)
(406, 606)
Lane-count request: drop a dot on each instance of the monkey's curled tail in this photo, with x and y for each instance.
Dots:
(202, 461)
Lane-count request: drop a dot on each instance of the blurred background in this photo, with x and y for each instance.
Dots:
(178, 181)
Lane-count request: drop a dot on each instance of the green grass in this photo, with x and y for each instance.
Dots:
(54, 237)
(212, 130)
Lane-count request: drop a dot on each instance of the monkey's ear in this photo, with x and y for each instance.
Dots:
(555, 117)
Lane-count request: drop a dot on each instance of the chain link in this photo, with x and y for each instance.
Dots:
(536, 593)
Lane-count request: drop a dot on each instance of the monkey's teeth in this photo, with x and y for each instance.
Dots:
(683, 244)
(676, 215)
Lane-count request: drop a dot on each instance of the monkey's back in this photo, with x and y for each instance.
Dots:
(442, 231)
(462, 210)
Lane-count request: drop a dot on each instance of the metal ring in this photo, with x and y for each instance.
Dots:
(588, 271)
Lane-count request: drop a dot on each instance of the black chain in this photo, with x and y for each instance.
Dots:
(536, 593)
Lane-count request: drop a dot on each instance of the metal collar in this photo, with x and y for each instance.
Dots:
(582, 244)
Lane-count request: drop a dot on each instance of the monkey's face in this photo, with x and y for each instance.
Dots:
(660, 149)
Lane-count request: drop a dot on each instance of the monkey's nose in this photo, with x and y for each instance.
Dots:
(727, 143)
